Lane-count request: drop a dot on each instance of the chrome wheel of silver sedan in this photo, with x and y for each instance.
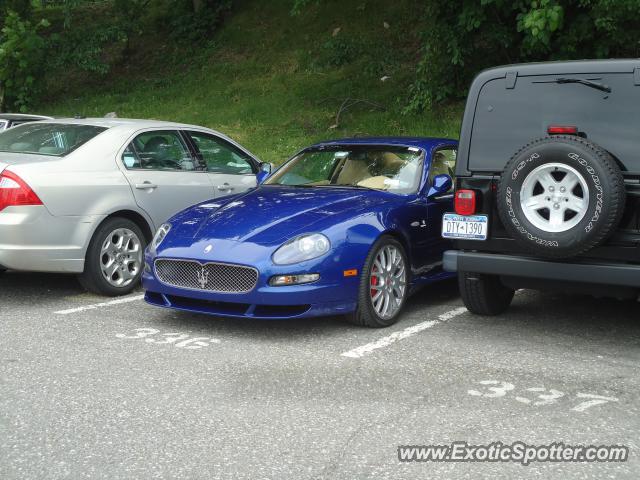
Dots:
(121, 257)
(554, 197)
(388, 281)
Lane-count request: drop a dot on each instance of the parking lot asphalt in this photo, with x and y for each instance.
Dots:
(91, 388)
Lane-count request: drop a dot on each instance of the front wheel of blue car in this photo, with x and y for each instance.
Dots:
(384, 285)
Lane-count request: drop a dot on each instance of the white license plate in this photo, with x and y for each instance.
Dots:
(466, 227)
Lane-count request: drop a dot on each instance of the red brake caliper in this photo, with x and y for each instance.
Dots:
(374, 281)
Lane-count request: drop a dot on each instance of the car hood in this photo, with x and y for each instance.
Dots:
(273, 214)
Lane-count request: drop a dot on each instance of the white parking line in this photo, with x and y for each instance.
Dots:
(117, 301)
(402, 334)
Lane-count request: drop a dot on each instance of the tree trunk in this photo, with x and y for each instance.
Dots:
(198, 5)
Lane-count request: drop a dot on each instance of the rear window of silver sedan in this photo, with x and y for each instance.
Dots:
(47, 138)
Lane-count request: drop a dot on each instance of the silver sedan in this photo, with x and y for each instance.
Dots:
(84, 196)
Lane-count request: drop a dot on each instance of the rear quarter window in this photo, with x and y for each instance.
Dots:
(507, 119)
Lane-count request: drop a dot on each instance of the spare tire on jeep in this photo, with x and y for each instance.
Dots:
(561, 196)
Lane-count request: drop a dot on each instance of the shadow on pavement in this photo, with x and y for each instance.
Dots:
(569, 322)
(27, 286)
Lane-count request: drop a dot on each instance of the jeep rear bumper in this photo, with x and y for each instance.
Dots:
(527, 267)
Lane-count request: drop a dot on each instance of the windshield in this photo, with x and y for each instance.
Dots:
(47, 138)
(392, 169)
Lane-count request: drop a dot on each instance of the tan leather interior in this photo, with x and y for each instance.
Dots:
(392, 161)
(439, 165)
(353, 171)
(357, 172)
(375, 182)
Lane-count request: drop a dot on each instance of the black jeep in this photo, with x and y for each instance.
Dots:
(548, 183)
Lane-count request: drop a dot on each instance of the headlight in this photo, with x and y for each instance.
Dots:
(160, 235)
(302, 248)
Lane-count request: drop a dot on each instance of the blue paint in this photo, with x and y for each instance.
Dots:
(246, 229)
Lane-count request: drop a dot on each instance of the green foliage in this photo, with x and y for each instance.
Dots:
(338, 51)
(462, 38)
(22, 8)
(539, 24)
(376, 57)
(300, 5)
(259, 83)
(192, 26)
(21, 54)
(83, 48)
(129, 15)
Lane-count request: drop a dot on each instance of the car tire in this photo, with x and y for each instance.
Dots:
(115, 258)
(484, 294)
(373, 293)
(561, 196)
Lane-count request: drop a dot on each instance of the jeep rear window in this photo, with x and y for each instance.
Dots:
(47, 138)
(507, 119)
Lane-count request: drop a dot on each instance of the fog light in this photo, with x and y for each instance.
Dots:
(281, 280)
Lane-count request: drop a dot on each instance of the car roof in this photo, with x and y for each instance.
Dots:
(22, 116)
(120, 122)
(566, 67)
(426, 143)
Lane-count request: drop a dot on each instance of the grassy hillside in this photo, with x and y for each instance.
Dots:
(271, 80)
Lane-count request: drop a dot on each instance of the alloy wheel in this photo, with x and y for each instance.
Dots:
(388, 282)
(554, 197)
(121, 257)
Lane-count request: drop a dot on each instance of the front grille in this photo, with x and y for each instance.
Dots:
(209, 277)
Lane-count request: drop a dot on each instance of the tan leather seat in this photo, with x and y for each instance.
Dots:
(391, 161)
(353, 171)
(439, 165)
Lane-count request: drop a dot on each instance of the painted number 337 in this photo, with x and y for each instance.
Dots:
(537, 396)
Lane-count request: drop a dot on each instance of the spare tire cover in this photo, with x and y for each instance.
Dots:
(561, 196)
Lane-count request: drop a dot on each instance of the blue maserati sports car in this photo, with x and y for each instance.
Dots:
(346, 227)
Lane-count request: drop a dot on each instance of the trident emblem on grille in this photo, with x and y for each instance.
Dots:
(203, 278)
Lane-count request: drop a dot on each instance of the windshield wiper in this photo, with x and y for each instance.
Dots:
(347, 185)
(587, 83)
(301, 185)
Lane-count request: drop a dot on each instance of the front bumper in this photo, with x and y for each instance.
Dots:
(31, 239)
(528, 267)
(332, 294)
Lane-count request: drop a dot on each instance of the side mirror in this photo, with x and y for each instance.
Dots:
(265, 171)
(441, 185)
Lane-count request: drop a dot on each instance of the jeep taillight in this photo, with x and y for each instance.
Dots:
(15, 192)
(465, 202)
(562, 130)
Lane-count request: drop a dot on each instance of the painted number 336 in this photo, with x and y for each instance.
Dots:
(179, 340)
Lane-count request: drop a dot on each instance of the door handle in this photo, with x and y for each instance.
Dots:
(146, 186)
(225, 187)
